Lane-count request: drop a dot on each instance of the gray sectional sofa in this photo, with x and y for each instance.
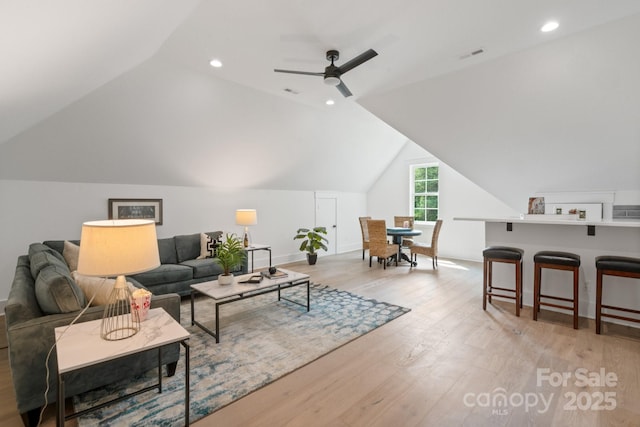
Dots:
(179, 264)
(44, 296)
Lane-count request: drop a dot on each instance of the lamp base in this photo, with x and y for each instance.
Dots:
(118, 320)
(246, 237)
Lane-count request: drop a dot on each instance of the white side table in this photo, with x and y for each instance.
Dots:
(80, 345)
(258, 247)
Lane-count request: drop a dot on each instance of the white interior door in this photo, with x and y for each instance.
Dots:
(326, 216)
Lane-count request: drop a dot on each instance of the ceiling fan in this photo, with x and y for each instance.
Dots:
(332, 73)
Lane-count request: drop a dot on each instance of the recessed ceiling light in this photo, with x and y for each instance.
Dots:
(215, 63)
(549, 26)
(330, 102)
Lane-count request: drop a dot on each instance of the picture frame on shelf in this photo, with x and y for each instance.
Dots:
(536, 206)
(136, 209)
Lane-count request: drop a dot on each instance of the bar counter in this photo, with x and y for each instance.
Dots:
(588, 239)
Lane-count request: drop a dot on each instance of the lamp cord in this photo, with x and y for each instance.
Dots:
(46, 362)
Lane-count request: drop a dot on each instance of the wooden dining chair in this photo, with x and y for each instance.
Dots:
(399, 221)
(428, 250)
(365, 233)
(378, 245)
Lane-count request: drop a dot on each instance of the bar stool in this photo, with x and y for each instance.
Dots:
(507, 255)
(555, 261)
(614, 266)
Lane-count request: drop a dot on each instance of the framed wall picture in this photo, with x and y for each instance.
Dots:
(136, 209)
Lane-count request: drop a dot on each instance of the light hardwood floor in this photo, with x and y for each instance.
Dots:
(446, 363)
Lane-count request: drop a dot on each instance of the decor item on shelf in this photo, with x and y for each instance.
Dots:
(230, 255)
(118, 248)
(246, 217)
(536, 206)
(313, 241)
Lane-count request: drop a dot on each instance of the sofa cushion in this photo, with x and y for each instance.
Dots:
(204, 267)
(40, 260)
(56, 291)
(71, 252)
(187, 246)
(166, 273)
(167, 249)
(58, 245)
(40, 247)
(99, 286)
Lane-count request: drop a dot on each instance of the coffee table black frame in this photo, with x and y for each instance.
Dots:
(250, 293)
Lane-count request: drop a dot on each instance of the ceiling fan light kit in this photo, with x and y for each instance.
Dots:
(331, 81)
(332, 74)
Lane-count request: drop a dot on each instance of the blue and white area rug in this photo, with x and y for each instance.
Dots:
(262, 339)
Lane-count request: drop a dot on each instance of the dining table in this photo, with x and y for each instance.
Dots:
(397, 233)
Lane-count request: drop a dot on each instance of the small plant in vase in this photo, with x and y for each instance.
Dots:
(313, 241)
(230, 255)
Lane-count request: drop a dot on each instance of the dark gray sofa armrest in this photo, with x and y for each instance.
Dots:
(170, 303)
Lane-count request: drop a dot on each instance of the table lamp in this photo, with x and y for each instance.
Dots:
(116, 248)
(246, 217)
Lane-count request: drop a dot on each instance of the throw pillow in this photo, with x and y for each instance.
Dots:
(98, 286)
(205, 246)
(209, 243)
(216, 241)
(57, 293)
(70, 254)
(41, 247)
(41, 260)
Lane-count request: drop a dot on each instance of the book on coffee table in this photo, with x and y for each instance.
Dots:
(256, 278)
(277, 275)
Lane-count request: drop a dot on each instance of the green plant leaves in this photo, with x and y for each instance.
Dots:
(231, 253)
(313, 239)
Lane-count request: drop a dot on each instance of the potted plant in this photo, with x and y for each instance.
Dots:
(230, 255)
(313, 241)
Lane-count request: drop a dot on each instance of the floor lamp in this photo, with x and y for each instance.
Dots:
(116, 248)
(246, 217)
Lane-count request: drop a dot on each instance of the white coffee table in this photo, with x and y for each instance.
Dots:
(225, 294)
(80, 345)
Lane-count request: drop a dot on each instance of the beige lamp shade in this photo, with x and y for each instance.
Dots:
(118, 247)
(246, 217)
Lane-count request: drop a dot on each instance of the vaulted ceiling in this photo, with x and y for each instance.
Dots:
(122, 92)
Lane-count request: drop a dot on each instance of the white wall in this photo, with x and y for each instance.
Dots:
(33, 211)
(459, 197)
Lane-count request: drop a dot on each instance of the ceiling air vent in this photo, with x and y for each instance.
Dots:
(474, 53)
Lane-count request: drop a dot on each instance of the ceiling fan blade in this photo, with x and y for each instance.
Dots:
(363, 57)
(344, 90)
(306, 73)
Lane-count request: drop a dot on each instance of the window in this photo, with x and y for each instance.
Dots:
(424, 191)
